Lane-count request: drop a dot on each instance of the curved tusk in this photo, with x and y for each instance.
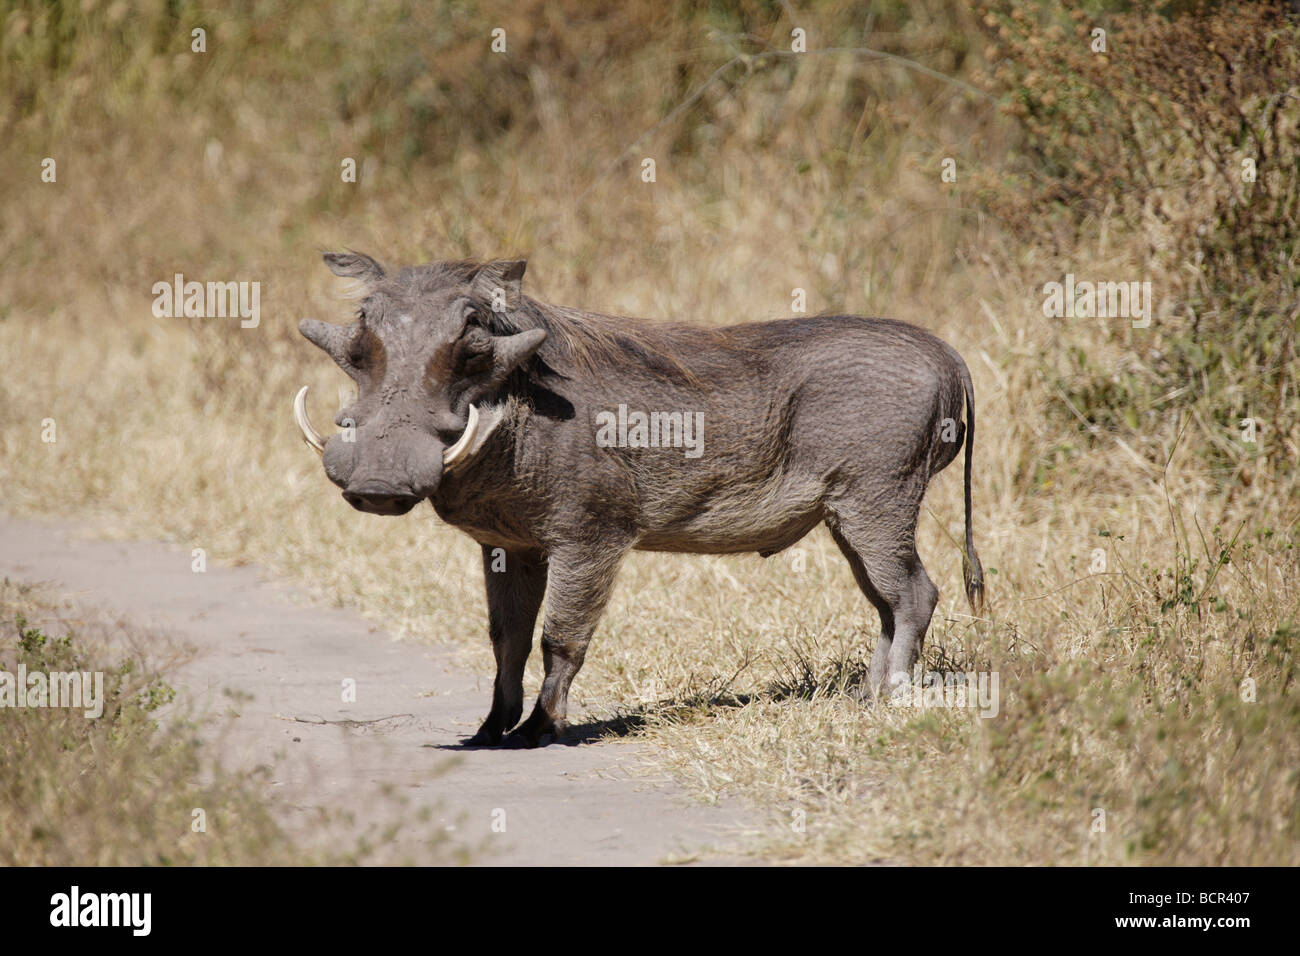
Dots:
(450, 456)
(309, 434)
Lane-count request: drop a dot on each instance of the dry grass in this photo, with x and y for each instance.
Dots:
(1121, 691)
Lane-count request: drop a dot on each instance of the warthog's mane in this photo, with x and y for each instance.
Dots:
(579, 342)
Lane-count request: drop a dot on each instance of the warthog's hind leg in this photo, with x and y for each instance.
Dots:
(515, 586)
(880, 656)
(881, 549)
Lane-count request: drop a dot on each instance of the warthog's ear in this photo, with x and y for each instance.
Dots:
(497, 283)
(354, 265)
(511, 351)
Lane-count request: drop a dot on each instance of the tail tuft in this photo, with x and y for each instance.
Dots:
(972, 573)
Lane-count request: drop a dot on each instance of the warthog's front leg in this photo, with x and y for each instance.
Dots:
(515, 585)
(580, 583)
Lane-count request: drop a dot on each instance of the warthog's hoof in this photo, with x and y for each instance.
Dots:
(864, 695)
(486, 737)
(520, 741)
(536, 731)
(494, 726)
(896, 689)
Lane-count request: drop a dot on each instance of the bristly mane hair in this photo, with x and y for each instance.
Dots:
(579, 341)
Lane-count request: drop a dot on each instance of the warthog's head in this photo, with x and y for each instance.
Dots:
(429, 373)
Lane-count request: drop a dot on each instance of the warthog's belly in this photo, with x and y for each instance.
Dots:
(766, 543)
(766, 528)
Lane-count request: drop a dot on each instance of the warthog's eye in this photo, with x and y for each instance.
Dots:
(357, 352)
(474, 352)
(362, 349)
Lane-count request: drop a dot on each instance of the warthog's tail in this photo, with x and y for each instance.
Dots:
(972, 571)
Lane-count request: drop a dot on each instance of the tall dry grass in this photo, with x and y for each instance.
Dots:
(1122, 688)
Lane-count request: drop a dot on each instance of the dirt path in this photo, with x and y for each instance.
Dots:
(576, 804)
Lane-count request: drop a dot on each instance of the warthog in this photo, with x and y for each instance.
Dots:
(505, 413)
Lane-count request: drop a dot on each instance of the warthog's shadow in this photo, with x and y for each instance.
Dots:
(629, 723)
(626, 724)
(803, 675)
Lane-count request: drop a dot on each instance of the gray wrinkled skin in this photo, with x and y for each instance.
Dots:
(840, 419)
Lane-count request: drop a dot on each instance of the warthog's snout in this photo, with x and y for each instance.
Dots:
(379, 499)
(403, 473)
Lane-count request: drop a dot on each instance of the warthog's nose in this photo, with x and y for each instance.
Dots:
(380, 499)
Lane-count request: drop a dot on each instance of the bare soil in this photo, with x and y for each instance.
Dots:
(268, 668)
